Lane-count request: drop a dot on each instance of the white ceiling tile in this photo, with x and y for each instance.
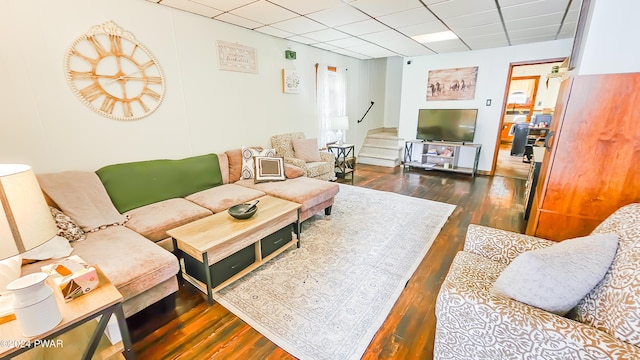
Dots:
(274, 32)
(382, 36)
(237, 20)
(568, 30)
(486, 41)
(533, 32)
(299, 25)
(447, 46)
(489, 29)
(326, 35)
(224, 5)
(455, 8)
(302, 39)
(306, 6)
(264, 12)
(505, 3)
(377, 8)
(338, 16)
(363, 27)
(534, 22)
(575, 5)
(536, 8)
(410, 17)
(421, 29)
(325, 46)
(422, 51)
(351, 54)
(192, 7)
(406, 47)
(348, 43)
(373, 51)
(533, 39)
(572, 16)
(477, 19)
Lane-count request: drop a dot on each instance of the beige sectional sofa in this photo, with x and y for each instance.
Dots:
(131, 247)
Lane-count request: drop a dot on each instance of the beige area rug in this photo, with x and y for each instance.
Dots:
(327, 299)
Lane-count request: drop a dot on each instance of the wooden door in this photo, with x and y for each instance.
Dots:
(592, 168)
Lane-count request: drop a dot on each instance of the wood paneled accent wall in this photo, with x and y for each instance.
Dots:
(592, 164)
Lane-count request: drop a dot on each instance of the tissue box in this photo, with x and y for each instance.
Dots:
(73, 277)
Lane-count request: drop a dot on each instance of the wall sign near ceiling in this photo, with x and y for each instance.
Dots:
(235, 57)
(452, 84)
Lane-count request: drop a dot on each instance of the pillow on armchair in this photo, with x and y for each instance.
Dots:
(558, 277)
(306, 149)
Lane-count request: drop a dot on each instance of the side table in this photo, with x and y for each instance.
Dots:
(345, 159)
(104, 300)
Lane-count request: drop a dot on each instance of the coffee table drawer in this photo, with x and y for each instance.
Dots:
(223, 269)
(275, 241)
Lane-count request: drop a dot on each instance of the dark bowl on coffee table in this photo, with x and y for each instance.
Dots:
(240, 211)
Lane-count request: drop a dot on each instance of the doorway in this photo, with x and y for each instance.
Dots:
(530, 97)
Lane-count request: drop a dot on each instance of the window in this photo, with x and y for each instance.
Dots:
(331, 100)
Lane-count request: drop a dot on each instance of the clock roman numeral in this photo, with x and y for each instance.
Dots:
(152, 94)
(126, 108)
(154, 80)
(92, 92)
(116, 44)
(146, 65)
(84, 57)
(96, 45)
(144, 106)
(82, 75)
(108, 104)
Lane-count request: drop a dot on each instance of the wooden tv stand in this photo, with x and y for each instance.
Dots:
(440, 155)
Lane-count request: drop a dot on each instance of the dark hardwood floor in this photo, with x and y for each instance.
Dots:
(194, 330)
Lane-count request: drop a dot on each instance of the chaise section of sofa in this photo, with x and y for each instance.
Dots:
(143, 272)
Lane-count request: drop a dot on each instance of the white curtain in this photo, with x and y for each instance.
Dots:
(331, 101)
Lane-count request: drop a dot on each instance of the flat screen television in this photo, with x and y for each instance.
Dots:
(456, 125)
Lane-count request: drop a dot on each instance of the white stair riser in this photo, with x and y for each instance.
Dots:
(381, 141)
(378, 161)
(374, 150)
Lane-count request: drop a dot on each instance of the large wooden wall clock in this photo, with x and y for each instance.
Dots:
(113, 74)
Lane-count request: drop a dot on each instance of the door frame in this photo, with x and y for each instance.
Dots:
(505, 98)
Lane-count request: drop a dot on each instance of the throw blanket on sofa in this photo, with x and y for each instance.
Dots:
(136, 184)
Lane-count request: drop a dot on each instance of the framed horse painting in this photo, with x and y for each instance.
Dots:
(452, 84)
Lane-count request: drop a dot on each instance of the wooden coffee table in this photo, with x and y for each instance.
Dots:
(220, 242)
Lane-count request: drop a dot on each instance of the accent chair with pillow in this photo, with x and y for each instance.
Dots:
(303, 153)
(513, 296)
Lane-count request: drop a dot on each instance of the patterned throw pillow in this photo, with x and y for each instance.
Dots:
(268, 169)
(67, 228)
(247, 160)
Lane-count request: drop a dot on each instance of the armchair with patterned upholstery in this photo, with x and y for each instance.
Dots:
(322, 170)
(474, 323)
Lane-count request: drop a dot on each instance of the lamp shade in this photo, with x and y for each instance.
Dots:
(340, 123)
(25, 218)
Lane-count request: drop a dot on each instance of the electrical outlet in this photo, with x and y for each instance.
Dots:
(488, 103)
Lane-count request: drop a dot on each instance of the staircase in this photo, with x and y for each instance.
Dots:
(381, 147)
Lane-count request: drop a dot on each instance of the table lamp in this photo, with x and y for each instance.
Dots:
(340, 124)
(26, 223)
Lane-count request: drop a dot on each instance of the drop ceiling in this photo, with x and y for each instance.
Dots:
(367, 29)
